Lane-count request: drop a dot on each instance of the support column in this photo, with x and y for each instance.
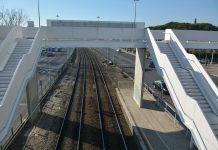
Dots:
(139, 75)
(32, 97)
(211, 61)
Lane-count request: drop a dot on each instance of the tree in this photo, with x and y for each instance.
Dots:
(12, 17)
(186, 26)
(195, 21)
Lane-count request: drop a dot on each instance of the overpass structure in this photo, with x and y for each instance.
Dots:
(194, 94)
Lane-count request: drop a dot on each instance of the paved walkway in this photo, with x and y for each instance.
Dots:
(212, 69)
(152, 124)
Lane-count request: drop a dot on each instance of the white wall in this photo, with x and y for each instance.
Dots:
(29, 32)
(87, 23)
(195, 35)
(93, 33)
(158, 34)
(4, 31)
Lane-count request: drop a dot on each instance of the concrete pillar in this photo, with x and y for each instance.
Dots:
(139, 76)
(212, 53)
(32, 97)
(191, 144)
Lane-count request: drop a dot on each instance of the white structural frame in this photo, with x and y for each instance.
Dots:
(94, 34)
(188, 108)
(102, 34)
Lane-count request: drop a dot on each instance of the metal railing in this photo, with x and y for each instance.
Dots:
(25, 117)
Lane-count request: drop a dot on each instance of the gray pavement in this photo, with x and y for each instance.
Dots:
(212, 69)
(152, 125)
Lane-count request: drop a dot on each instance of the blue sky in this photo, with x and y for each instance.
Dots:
(152, 12)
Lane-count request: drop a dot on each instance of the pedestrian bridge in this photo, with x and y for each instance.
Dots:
(194, 94)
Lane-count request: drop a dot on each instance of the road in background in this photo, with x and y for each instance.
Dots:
(126, 62)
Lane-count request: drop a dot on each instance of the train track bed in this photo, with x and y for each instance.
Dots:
(95, 124)
(43, 133)
(84, 115)
(90, 127)
(113, 75)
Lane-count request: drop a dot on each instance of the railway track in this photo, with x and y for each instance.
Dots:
(68, 127)
(110, 119)
(79, 114)
(90, 121)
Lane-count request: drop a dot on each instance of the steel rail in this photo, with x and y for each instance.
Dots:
(110, 99)
(60, 135)
(82, 105)
(98, 103)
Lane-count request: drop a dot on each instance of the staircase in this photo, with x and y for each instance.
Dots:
(21, 48)
(190, 85)
(194, 94)
(185, 77)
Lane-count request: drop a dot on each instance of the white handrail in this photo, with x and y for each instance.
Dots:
(187, 108)
(8, 45)
(23, 72)
(206, 84)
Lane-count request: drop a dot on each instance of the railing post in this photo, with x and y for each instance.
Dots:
(21, 119)
(175, 119)
(12, 131)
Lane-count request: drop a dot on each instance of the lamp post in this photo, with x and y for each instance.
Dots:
(135, 1)
(98, 18)
(57, 16)
(39, 14)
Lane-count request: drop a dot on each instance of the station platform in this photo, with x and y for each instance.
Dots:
(152, 127)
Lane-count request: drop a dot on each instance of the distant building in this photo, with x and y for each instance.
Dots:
(30, 23)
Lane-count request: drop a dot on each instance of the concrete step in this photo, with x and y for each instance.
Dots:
(189, 86)
(5, 75)
(16, 56)
(173, 59)
(12, 58)
(215, 131)
(6, 72)
(1, 97)
(4, 81)
(206, 110)
(193, 90)
(185, 76)
(11, 66)
(2, 93)
(195, 94)
(9, 69)
(3, 89)
(3, 85)
(13, 61)
(202, 101)
(183, 73)
(175, 64)
(204, 105)
(5, 78)
(198, 98)
(187, 80)
(167, 51)
(214, 126)
(23, 47)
